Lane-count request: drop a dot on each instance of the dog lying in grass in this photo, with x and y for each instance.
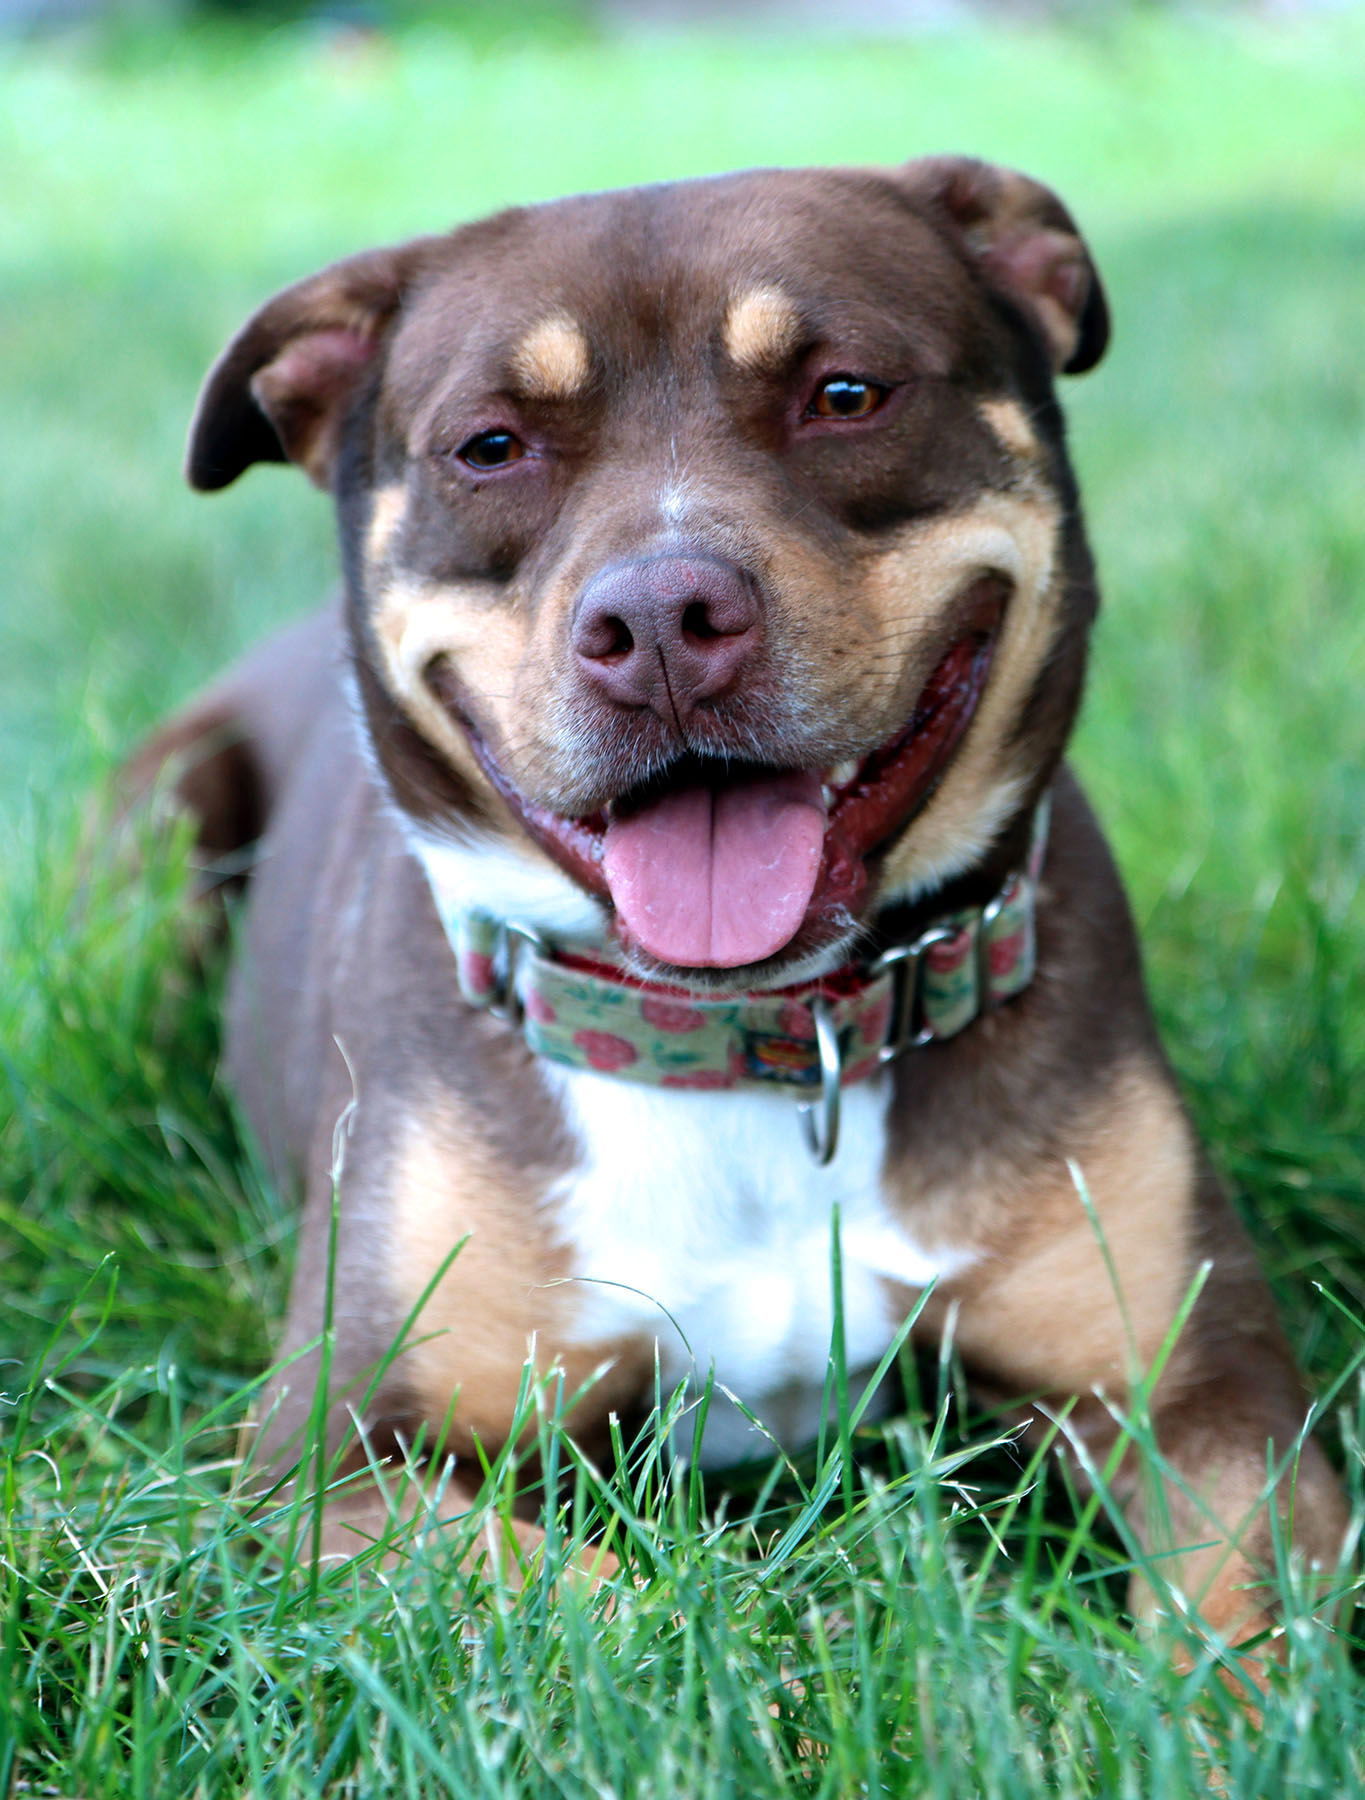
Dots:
(667, 843)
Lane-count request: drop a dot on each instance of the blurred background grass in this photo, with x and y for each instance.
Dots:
(166, 168)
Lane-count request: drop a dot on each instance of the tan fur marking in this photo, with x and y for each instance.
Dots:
(1018, 535)
(1225, 1508)
(401, 1509)
(513, 675)
(1009, 422)
(1042, 1311)
(553, 362)
(416, 621)
(761, 328)
(388, 508)
(498, 1302)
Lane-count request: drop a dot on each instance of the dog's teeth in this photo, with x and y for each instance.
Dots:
(828, 793)
(842, 773)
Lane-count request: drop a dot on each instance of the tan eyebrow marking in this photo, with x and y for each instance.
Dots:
(1009, 422)
(552, 362)
(761, 327)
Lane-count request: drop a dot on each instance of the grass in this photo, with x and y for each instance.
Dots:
(913, 1611)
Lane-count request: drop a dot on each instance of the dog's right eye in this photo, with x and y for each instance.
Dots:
(846, 397)
(492, 450)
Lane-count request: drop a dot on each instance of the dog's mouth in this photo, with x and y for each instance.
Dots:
(721, 864)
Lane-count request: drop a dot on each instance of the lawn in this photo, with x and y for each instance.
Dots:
(916, 1611)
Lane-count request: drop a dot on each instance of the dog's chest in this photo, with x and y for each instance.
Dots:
(701, 1220)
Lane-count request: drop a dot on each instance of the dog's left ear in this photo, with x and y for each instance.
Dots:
(1026, 244)
(281, 389)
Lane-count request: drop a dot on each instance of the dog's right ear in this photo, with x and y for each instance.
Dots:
(281, 389)
(1026, 244)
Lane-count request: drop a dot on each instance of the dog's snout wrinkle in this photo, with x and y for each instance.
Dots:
(672, 703)
(667, 632)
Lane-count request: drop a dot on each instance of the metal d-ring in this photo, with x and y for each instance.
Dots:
(820, 1120)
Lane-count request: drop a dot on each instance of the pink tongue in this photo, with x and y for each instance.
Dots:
(718, 877)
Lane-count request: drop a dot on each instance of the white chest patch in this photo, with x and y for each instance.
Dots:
(701, 1219)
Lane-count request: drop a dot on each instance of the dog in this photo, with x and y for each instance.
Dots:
(667, 842)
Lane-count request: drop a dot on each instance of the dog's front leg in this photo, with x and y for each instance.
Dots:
(1236, 1482)
(1120, 1294)
(428, 1333)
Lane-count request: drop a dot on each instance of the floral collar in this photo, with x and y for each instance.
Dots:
(578, 1007)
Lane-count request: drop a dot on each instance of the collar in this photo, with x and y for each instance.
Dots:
(579, 1007)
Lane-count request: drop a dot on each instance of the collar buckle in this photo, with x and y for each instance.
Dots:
(511, 941)
(904, 963)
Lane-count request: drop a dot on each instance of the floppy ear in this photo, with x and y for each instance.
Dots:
(280, 391)
(1027, 246)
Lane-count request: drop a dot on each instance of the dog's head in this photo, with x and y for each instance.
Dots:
(714, 563)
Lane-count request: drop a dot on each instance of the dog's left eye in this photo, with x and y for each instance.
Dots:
(492, 450)
(846, 397)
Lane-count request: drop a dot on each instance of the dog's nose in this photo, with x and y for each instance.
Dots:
(667, 631)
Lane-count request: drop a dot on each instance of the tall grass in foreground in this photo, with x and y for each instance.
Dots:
(927, 1608)
(929, 1635)
(906, 1611)
(920, 1610)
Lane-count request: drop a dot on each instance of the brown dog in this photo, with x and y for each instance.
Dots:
(676, 782)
